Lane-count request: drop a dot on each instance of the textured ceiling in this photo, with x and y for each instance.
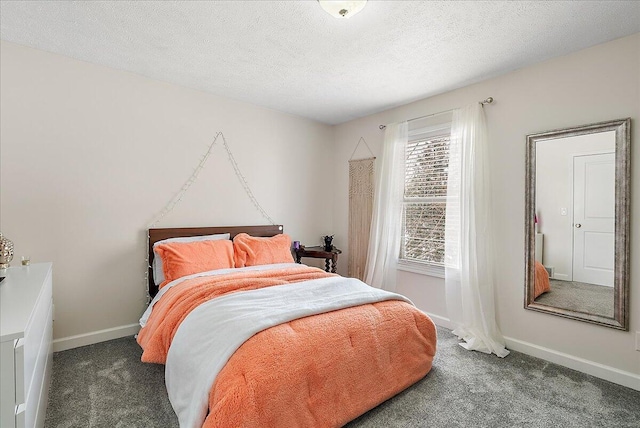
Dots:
(294, 57)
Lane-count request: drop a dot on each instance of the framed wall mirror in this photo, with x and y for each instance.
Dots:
(577, 218)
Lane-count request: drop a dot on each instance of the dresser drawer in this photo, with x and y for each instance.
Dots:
(26, 328)
(34, 398)
(7, 384)
(34, 335)
(18, 364)
(21, 413)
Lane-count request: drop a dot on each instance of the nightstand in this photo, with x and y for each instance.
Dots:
(330, 257)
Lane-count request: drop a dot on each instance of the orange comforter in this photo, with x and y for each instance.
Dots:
(541, 281)
(319, 371)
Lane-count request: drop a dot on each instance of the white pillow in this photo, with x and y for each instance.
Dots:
(158, 270)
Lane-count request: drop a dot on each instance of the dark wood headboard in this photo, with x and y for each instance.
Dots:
(156, 235)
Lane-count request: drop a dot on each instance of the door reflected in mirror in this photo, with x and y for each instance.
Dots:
(577, 222)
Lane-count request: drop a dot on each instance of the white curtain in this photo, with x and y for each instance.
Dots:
(386, 224)
(469, 260)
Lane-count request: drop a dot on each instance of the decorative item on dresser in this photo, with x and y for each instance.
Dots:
(26, 322)
(320, 252)
(6, 252)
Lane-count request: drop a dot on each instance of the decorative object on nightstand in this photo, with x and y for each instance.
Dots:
(330, 257)
(6, 252)
(328, 245)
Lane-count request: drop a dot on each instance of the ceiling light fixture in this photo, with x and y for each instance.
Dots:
(342, 9)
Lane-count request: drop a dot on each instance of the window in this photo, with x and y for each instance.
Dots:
(425, 194)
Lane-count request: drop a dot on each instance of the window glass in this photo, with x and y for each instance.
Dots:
(425, 195)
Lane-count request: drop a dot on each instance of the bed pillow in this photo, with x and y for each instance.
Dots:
(186, 258)
(158, 271)
(253, 251)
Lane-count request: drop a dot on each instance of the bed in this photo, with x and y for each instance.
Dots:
(270, 343)
(541, 280)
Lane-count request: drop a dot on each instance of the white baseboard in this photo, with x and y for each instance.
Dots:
(85, 339)
(601, 371)
(440, 321)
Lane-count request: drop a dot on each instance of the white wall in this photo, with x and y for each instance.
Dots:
(593, 85)
(89, 155)
(554, 193)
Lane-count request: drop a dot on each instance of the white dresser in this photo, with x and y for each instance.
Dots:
(26, 322)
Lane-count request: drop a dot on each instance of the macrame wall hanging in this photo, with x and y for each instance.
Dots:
(361, 172)
(173, 202)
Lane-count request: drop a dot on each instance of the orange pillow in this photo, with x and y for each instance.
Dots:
(253, 251)
(186, 258)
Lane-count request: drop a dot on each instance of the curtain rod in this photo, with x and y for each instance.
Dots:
(483, 102)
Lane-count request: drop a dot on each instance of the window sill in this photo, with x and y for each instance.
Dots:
(421, 268)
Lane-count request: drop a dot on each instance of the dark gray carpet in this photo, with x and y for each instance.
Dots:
(578, 296)
(106, 385)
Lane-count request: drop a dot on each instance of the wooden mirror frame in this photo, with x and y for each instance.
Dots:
(622, 128)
